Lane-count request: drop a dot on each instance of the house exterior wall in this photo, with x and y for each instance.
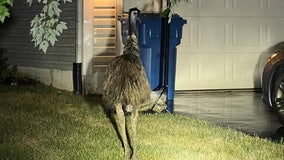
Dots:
(146, 6)
(15, 38)
(93, 76)
(57, 78)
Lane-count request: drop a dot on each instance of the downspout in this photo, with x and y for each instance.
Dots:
(77, 66)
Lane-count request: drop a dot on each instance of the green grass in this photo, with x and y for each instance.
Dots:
(44, 123)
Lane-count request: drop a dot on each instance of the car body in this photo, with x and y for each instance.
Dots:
(273, 83)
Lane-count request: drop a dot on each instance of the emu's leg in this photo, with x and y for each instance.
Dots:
(120, 121)
(134, 116)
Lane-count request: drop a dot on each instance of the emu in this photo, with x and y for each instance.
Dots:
(126, 85)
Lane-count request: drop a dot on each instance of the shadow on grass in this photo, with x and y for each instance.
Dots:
(97, 101)
(278, 136)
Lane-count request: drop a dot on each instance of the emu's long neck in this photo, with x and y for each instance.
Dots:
(133, 15)
(132, 24)
(131, 45)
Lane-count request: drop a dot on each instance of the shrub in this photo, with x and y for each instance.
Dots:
(9, 74)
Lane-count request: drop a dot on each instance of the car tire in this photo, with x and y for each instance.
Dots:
(280, 115)
(277, 90)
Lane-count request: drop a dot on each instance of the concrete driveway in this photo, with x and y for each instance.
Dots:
(240, 110)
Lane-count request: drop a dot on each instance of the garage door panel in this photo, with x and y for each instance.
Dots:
(245, 5)
(238, 34)
(243, 66)
(209, 4)
(225, 33)
(275, 32)
(199, 72)
(228, 8)
(276, 5)
(224, 40)
(207, 71)
(247, 34)
(215, 70)
(203, 8)
(213, 34)
(206, 32)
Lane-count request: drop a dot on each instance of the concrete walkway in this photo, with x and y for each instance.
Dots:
(240, 110)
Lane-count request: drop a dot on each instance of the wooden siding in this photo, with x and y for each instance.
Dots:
(15, 37)
(104, 32)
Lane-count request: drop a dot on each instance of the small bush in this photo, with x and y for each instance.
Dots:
(9, 74)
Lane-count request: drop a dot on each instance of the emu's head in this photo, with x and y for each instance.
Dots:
(133, 16)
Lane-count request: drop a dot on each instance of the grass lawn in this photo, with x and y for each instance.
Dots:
(39, 122)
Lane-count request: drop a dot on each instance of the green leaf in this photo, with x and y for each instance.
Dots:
(2, 18)
(45, 8)
(50, 11)
(67, 1)
(165, 12)
(30, 2)
(44, 45)
(10, 2)
(46, 26)
(52, 39)
(4, 11)
(169, 11)
(61, 26)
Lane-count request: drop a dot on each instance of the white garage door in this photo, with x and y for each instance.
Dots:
(224, 40)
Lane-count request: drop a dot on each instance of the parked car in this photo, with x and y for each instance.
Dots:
(273, 83)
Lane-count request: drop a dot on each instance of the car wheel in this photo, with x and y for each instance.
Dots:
(280, 115)
(277, 92)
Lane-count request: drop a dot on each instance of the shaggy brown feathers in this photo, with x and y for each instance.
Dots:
(125, 78)
(126, 84)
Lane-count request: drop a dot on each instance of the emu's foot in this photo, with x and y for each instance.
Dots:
(126, 154)
(134, 157)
